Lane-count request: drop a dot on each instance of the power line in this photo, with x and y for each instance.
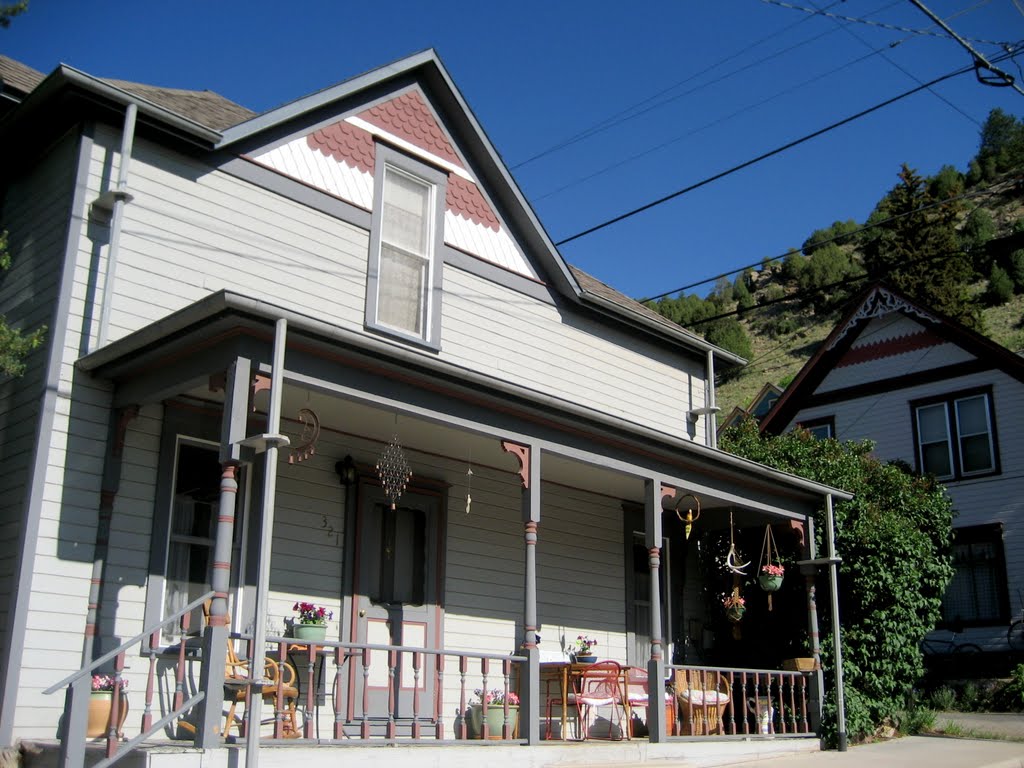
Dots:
(980, 62)
(894, 63)
(873, 23)
(851, 233)
(766, 155)
(624, 115)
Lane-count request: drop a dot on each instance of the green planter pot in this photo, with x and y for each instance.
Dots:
(310, 632)
(735, 612)
(769, 583)
(495, 720)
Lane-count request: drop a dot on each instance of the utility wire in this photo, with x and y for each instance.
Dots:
(766, 155)
(870, 22)
(863, 228)
(979, 60)
(892, 62)
(624, 115)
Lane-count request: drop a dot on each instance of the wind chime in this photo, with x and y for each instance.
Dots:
(393, 470)
(770, 570)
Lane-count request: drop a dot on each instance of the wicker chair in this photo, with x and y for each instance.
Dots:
(701, 695)
(280, 676)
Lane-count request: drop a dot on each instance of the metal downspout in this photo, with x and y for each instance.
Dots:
(712, 422)
(272, 440)
(833, 579)
(120, 197)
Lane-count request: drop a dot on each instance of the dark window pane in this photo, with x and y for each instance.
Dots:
(976, 453)
(935, 459)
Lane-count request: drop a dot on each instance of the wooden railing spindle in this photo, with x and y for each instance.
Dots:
(364, 730)
(463, 666)
(485, 730)
(416, 658)
(147, 711)
(439, 696)
(392, 693)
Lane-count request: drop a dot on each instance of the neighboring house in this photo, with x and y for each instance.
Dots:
(758, 408)
(946, 400)
(249, 318)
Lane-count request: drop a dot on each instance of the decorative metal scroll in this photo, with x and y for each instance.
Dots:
(393, 470)
(310, 434)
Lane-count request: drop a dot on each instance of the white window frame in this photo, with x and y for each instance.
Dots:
(391, 161)
(950, 406)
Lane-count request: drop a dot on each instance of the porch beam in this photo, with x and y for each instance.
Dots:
(215, 635)
(730, 489)
(654, 493)
(529, 681)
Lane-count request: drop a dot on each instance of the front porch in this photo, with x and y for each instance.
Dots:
(523, 525)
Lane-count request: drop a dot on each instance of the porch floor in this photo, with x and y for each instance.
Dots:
(693, 753)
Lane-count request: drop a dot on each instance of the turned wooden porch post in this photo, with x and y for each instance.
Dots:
(810, 572)
(529, 685)
(215, 636)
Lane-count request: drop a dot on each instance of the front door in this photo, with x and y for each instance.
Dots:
(397, 599)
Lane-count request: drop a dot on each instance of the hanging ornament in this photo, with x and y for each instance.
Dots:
(690, 518)
(770, 570)
(733, 556)
(307, 440)
(393, 470)
(469, 485)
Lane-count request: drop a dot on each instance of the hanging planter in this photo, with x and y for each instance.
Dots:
(770, 577)
(735, 606)
(770, 573)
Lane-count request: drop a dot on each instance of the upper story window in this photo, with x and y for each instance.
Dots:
(403, 291)
(821, 428)
(955, 435)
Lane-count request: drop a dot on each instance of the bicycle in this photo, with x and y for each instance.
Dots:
(934, 646)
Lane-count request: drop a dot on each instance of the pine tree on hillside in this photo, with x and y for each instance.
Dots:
(918, 251)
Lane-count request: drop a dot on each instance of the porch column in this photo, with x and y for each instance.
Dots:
(809, 572)
(529, 680)
(215, 635)
(833, 580)
(654, 492)
(76, 706)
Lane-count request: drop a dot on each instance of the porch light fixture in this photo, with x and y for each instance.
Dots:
(393, 470)
(347, 472)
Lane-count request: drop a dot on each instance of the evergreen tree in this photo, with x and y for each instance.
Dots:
(1000, 287)
(917, 250)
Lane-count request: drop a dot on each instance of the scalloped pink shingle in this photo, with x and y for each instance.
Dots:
(408, 117)
(464, 198)
(345, 142)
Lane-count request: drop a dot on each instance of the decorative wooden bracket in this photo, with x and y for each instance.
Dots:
(521, 452)
(667, 492)
(124, 418)
(260, 383)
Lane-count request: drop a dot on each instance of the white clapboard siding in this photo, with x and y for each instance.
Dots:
(35, 213)
(190, 231)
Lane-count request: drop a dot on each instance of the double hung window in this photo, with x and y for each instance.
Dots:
(403, 286)
(955, 435)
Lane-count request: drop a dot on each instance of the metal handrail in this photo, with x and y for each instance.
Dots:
(127, 644)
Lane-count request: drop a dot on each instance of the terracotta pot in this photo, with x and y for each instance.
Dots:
(100, 708)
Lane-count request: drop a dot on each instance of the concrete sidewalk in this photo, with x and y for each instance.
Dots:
(912, 752)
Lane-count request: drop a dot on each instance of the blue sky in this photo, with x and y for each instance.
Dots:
(729, 80)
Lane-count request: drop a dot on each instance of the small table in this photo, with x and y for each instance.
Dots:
(570, 673)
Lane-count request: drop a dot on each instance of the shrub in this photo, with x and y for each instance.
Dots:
(944, 699)
(1017, 269)
(915, 720)
(1000, 287)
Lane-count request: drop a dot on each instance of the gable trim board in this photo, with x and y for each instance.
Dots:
(798, 395)
(56, 338)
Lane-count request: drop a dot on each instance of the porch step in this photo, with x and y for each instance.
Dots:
(462, 754)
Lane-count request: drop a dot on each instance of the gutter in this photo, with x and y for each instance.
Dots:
(690, 340)
(66, 75)
(224, 300)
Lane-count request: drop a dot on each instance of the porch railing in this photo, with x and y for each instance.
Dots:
(760, 702)
(435, 704)
(79, 688)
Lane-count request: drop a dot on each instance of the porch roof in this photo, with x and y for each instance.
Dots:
(155, 361)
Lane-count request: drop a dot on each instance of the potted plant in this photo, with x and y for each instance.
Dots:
(735, 607)
(101, 705)
(495, 719)
(770, 577)
(582, 650)
(312, 621)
